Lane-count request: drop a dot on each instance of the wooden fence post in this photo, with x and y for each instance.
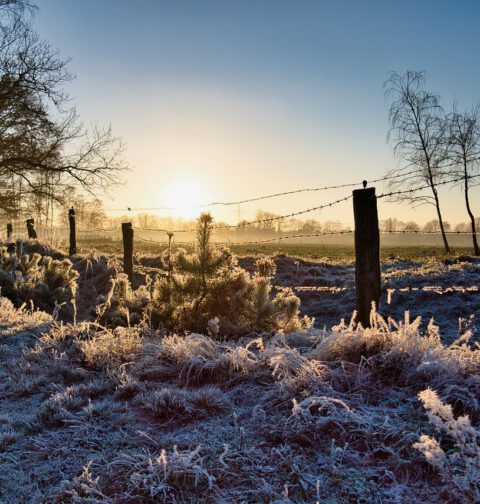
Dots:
(9, 231)
(73, 240)
(127, 233)
(367, 253)
(19, 249)
(32, 234)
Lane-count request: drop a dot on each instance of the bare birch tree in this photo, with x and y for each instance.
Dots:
(417, 132)
(464, 153)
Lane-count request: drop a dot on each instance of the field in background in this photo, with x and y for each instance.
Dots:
(310, 251)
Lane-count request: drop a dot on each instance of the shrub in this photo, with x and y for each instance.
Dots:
(122, 305)
(111, 348)
(160, 477)
(46, 282)
(206, 292)
(166, 403)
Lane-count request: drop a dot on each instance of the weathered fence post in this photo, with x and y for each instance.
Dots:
(9, 231)
(367, 253)
(31, 229)
(19, 249)
(127, 233)
(73, 240)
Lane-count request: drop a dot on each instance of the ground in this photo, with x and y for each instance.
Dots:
(90, 414)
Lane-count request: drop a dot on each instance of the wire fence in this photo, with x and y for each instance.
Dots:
(267, 196)
(113, 234)
(117, 236)
(403, 175)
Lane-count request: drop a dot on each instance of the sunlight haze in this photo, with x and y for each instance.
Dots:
(258, 97)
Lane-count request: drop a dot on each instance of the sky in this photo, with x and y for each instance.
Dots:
(226, 100)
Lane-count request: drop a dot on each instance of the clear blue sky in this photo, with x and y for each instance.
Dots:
(246, 97)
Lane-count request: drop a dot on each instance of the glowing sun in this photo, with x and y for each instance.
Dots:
(183, 197)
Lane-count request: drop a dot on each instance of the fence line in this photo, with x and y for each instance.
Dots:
(422, 188)
(267, 196)
(427, 232)
(256, 221)
(98, 232)
(109, 233)
(406, 175)
(281, 217)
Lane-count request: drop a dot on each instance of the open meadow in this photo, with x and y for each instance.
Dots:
(117, 408)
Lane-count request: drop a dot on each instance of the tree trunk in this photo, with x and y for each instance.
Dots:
(437, 206)
(470, 213)
(440, 221)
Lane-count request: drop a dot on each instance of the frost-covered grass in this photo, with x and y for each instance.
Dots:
(432, 286)
(94, 415)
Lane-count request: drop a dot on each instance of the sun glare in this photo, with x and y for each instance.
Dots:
(183, 196)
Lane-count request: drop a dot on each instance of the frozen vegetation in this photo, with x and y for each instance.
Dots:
(119, 407)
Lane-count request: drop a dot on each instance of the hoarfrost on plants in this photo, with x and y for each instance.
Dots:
(120, 407)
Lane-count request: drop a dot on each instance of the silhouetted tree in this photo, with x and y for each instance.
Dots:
(417, 131)
(43, 145)
(411, 226)
(434, 225)
(391, 224)
(464, 153)
(310, 226)
(267, 218)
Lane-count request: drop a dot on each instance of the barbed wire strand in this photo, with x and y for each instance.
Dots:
(421, 188)
(405, 176)
(256, 221)
(267, 196)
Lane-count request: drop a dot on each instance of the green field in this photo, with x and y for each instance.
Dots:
(309, 251)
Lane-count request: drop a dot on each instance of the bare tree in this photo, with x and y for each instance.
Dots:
(89, 212)
(412, 226)
(464, 153)
(417, 131)
(391, 225)
(434, 226)
(43, 145)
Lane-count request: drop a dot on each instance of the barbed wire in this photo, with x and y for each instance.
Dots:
(275, 218)
(16, 222)
(302, 212)
(103, 230)
(345, 232)
(100, 232)
(268, 196)
(421, 188)
(149, 240)
(256, 221)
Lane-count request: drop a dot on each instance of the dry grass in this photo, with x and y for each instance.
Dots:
(91, 414)
(327, 415)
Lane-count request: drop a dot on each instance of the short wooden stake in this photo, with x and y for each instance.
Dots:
(32, 234)
(19, 249)
(73, 240)
(127, 233)
(9, 231)
(367, 253)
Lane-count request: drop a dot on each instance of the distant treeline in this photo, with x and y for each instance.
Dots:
(91, 215)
